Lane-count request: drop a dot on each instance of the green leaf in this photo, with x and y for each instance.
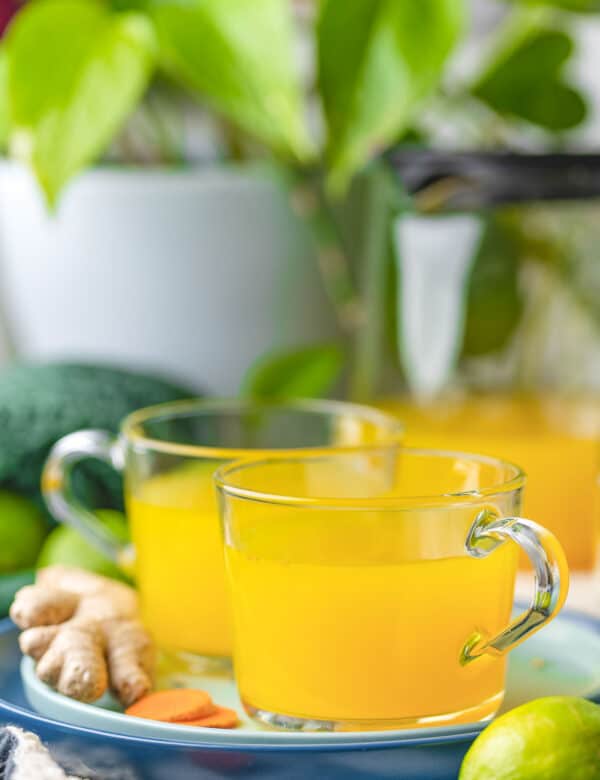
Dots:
(527, 82)
(303, 373)
(75, 73)
(238, 54)
(578, 6)
(129, 5)
(377, 60)
(4, 112)
(494, 301)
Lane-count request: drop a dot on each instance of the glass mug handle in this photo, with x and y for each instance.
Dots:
(551, 572)
(59, 496)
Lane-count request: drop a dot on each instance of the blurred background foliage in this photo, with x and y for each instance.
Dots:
(317, 93)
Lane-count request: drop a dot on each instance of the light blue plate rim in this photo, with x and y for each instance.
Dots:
(31, 719)
(118, 723)
(464, 733)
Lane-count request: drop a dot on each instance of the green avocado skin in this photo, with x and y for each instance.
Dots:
(40, 403)
(557, 738)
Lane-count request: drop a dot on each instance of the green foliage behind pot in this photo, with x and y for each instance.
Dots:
(76, 69)
(74, 74)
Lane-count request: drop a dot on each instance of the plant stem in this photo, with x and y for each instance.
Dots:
(232, 138)
(310, 203)
(170, 148)
(368, 345)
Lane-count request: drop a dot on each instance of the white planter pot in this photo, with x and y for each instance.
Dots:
(192, 273)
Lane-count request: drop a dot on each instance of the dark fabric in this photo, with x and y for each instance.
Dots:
(8, 745)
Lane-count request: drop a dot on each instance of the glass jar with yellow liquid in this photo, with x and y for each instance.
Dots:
(556, 440)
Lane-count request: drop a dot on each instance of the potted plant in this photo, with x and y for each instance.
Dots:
(295, 231)
(179, 247)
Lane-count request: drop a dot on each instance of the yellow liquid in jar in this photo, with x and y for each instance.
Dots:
(554, 440)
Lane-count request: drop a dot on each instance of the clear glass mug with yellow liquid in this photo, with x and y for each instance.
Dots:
(374, 590)
(168, 455)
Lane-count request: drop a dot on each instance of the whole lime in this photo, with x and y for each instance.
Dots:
(10, 584)
(22, 532)
(557, 738)
(66, 546)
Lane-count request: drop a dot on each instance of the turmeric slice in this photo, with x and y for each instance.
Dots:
(174, 706)
(222, 718)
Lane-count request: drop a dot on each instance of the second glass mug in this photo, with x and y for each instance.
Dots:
(168, 454)
(375, 589)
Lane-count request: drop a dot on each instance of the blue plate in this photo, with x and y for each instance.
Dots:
(107, 715)
(564, 658)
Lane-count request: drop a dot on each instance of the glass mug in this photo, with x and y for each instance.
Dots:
(375, 589)
(168, 455)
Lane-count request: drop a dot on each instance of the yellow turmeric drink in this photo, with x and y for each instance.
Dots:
(173, 452)
(556, 441)
(348, 640)
(179, 560)
(374, 589)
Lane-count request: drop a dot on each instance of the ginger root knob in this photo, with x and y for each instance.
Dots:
(84, 633)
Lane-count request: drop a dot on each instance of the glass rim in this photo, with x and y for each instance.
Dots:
(389, 503)
(132, 426)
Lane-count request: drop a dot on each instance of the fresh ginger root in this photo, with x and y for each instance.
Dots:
(84, 633)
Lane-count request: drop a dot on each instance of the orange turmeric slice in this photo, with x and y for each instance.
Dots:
(174, 706)
(222, 718)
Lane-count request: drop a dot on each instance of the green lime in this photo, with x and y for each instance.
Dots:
(65, 545)
(22, 532)
(10, 584)
(557, 738)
